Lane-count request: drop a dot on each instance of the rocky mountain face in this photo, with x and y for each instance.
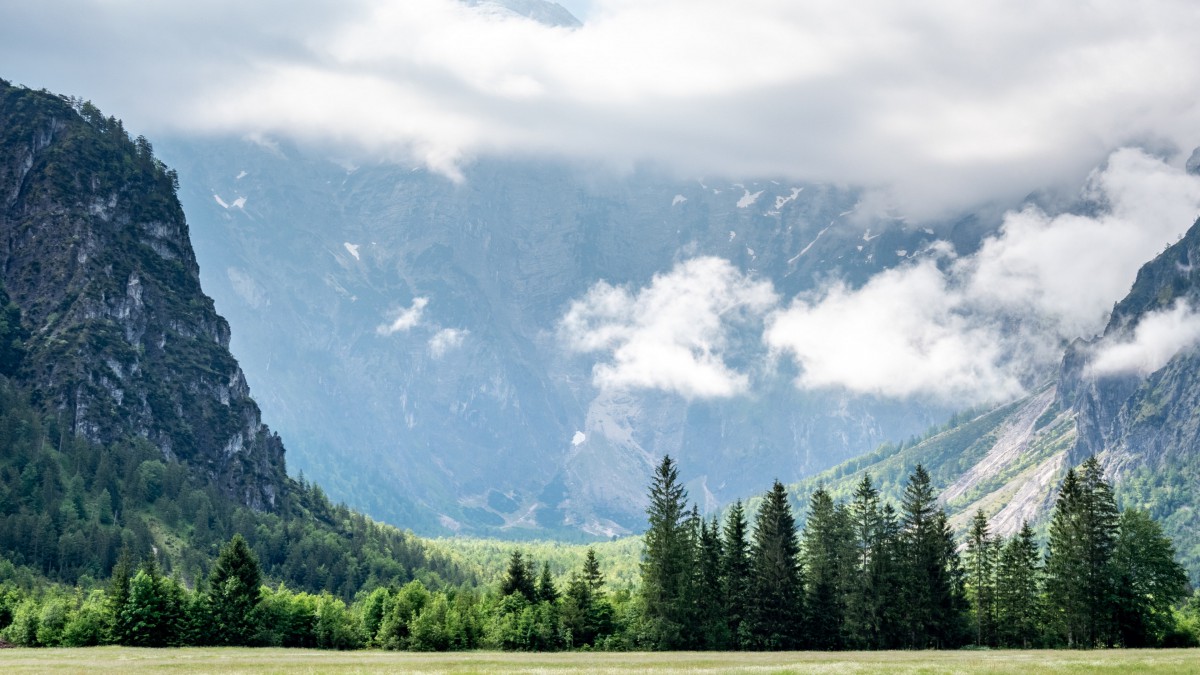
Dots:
(121, 341)
(401, 329)
(1131, 397)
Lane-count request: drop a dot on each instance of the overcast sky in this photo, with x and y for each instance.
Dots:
(934, 106)
(938, 104)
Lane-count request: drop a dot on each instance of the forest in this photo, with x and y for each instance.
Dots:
(861, 574)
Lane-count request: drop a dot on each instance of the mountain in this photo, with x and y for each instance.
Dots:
(124, 420)
(1130, 396)
(402, 330)
(122, 341)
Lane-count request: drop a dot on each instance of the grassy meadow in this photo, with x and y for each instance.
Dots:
(238, 660)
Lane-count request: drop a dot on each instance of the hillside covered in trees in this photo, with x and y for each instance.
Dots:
(860, 574)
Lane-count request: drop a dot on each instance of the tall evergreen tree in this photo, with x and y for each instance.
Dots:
(776, 606)
(981, 579)
(1080, 583)
(518, 579)
(712, 625)
(863, 592)
(234, 588)
(827, 559)
(545, 591)
(667, 560)
(1019, 591)
(735, 573)
(930, 567)
(118, 595)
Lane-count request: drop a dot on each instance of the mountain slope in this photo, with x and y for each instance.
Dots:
(125, 423)
(1140, 417)
(473, 417)
(95, 252)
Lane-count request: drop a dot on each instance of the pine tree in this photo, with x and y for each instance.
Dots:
(1019, 591)
(1100, 527)
(931, 569)
(234, 588)
(518, 579)
(591, 571)
(827, 561)
(1080, 583)
(545, 591)
(713, 628)
(587, 613)
(735, 573)
(864, 592)
(118, 596)
(981, 579)
(776, 606)
(667, 560)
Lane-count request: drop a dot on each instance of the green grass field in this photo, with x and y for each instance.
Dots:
(228, 660)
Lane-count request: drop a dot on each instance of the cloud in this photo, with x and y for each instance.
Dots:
(1158, 337)
(905, 333)
(406, 319)
(958, 329)
(446, 339)
(671, 335)
(976, 329)
(935, 104)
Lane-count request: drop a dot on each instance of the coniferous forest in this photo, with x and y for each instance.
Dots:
(861, 575)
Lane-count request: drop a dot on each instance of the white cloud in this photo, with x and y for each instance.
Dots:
(406, 319)
(938, 104)
(975, 329)
(672, 334)
(1158, 337)
(905, 333)
(1070, 269)
(446, 339)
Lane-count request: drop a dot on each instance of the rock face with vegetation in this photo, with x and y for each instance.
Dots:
(121, 339)
(1139, 416)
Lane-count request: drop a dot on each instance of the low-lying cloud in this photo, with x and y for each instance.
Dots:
(966, 330)
(1158, 337)
(671, 335)
(938, 105)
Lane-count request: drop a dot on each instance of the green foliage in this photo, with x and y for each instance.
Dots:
(667, 562)
(776, 606)
(233, 594)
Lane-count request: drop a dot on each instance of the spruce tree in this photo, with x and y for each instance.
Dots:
(827, 561)
(863, 590)
(118, 596)
(776, 606)
(735, 573)
(1083, 532)
(981, 579)
(667, 560)
(1019, 591)
(712, 625)
(545, 591)
(1100, 527)
(932, 573)
(518, 579)
(234, 588)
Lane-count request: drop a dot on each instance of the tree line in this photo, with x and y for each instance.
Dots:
(859, 574)
(864, 575)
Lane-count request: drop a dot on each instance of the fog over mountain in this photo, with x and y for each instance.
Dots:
(484, 261)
